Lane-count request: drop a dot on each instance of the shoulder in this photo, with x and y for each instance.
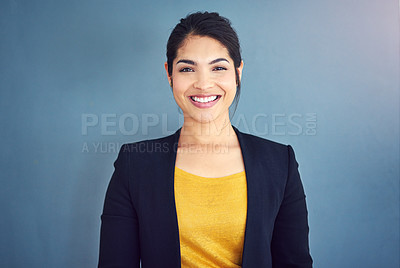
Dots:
(149, 151)
(149, 146)
(259, 140)
(259, 145)
(271, 155)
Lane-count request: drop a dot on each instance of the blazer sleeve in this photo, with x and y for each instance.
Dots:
(119, 239)
(289, 246)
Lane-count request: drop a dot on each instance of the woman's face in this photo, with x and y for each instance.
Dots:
(203, 79)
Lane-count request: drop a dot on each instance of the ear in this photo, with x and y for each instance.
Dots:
(240, 70)
(168, 76)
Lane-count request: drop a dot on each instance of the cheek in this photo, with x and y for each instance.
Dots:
(179, 77)
(228, 82)
(178, 89)
(178, 84)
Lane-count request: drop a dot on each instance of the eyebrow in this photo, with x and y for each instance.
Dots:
(218, 60)
(193, 63)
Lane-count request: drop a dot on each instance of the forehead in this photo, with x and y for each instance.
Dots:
(202, 48)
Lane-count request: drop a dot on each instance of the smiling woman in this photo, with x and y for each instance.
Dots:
(214, 196)
(203, 76)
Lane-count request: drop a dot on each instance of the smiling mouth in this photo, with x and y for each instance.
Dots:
(205, 99)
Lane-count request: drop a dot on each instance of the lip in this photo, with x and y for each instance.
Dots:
(206, 104)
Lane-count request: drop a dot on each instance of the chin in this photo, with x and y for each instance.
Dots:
(207, 118)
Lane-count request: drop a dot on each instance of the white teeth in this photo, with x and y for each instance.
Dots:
(204, 100)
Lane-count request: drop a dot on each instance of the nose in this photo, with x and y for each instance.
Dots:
(203, 81)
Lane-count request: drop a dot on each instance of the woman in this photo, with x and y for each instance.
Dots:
(208, 195)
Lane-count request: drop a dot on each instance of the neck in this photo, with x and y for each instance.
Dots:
(212, 132)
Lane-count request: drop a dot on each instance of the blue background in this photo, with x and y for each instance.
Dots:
(322, 76)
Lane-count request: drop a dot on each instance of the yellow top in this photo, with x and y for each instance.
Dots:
(211, 218)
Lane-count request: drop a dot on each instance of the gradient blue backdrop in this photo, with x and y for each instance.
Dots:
(322, 76)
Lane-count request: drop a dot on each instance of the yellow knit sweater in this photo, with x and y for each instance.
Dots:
(212, 219)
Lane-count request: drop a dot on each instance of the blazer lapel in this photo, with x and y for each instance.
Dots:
(175, 250)
(251, 222)
(165, 218)
(259, 208)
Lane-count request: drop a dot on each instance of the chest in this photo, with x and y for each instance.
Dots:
(210, 161)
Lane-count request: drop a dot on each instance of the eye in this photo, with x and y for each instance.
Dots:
(186, 69)
(219, 68)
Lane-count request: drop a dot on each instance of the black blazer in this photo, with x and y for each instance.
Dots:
(139, 221)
